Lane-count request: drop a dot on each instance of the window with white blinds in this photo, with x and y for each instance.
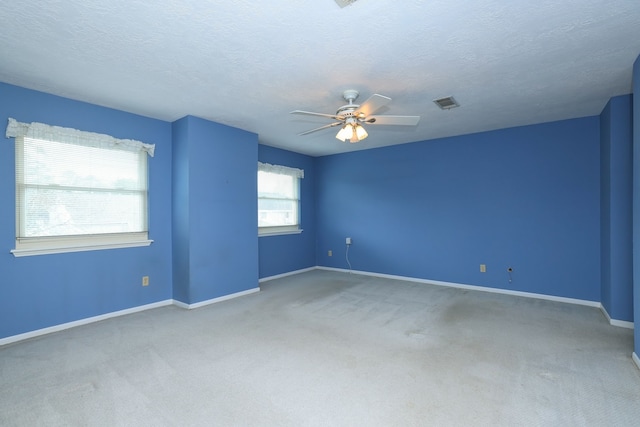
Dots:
(278, 199)
(74, 194)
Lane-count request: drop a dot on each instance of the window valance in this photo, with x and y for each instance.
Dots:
(294, 172)
(73, 136)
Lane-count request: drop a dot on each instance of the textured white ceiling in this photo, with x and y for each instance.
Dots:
(248, 64)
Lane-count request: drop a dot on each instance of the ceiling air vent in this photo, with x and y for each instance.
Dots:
(446, 103)
(343, 3)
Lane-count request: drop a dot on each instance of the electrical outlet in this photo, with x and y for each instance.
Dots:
(348, 240)
(145, 280)
(483, 268)
(330, 253)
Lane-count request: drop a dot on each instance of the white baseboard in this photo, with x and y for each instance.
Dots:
(215, 300)
(636, 359)
(290, 273)
(613, 322)
(622, 324)
(88, 320)
(471, 287)
(63, 326)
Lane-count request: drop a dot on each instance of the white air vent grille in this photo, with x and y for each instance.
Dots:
(446, 103)
(343, 3)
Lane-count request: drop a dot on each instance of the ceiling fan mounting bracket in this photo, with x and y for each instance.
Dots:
(350, 95)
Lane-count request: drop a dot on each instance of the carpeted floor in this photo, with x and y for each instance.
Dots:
(331, 349)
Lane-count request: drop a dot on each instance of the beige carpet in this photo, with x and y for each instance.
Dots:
(331, 349)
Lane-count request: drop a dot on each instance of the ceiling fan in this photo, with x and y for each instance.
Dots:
(352, 116)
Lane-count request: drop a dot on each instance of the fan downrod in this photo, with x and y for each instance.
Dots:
(350, 95)
(345, 111)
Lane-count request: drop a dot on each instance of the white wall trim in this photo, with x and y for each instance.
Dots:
(78, 248)
(290, 273)
(88, 320)
(636, 359)
(597, 304)
(215, 300)
(614, 322)
(63, 326)
(472, 287)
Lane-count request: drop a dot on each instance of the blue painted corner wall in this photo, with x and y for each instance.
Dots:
(284, 253)
(202, 220)
(215, 222)
(636, 203)
(43, 291)
(526, 198)
(554, 201)
(616, 217)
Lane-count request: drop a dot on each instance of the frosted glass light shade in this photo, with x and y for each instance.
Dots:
(361, 133)
(345, 133)
(352, 132)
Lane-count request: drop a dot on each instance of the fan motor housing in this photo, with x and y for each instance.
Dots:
(347, 110)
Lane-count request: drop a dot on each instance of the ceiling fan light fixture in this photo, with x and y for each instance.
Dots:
(350, 117)
(361, 133)
(345, 133)
(352, 132)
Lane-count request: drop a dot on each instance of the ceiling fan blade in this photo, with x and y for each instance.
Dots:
(330, 125)
(393, 120)
(310, 113)
(371, 105)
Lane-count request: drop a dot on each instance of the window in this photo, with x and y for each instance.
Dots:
(78, 190)
(278, 199)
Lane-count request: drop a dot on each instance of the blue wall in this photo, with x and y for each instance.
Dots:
(616, 162)
(636, 203)
(605, 207)
(291, 252)
(530, 197)
(180, 211)
(525, 197)
(46, 290)
(215, 222)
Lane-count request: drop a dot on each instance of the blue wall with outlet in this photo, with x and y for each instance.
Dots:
(47, 290)
(526, 198)
(551, 200)
(291, 252)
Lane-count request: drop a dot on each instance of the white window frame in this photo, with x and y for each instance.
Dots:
(295, 173)
(27, 246)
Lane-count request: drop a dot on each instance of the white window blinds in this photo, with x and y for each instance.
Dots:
(278, 199)
(78, 189)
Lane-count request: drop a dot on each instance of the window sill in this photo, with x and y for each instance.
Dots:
(278, 233)
(78, 248)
